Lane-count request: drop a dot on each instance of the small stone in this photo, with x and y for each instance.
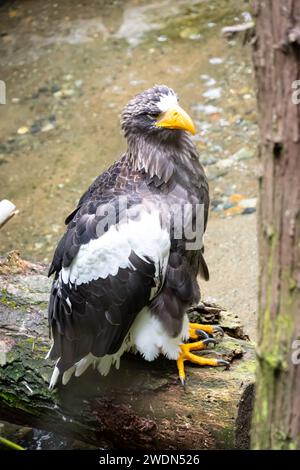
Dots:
(248, 203)
(215, 60)
(249, 210)
(23, 130)
(67, 93)
(55, 88)
(162, 38)
(213, 93)
(49, 126)
(15, 100)
(78, 83)
(68, 77)
(208, 109)
(35, 128)
(210, 82)
(211, 24)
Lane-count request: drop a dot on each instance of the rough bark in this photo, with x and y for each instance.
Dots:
(276, 422)
(142, 405)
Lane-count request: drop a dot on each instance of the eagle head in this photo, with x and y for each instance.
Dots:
(155, 112)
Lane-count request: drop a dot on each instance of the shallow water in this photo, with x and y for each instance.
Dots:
(70, 67)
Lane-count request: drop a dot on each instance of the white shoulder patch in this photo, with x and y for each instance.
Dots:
(105, 255)
(166, 102)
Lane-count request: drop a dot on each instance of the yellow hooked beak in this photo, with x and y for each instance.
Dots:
(176, 118)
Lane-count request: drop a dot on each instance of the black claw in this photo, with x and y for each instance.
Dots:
(202, 334)
(210, 341)
(182, 381)
(222, 362)
(218, 329)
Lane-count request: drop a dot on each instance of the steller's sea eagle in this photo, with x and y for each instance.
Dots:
(126, 268)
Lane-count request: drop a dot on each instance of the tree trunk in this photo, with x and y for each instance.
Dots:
(143, 405)
(276, 421)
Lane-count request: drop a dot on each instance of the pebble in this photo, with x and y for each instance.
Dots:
(35, 128)
(208, 109)
(49, 126)
(67, 93)
(213, 93)
(215, 60)
(162, 38)
(210, 82)
(15, 100)
(23, 130)
(249, 210)
(248, 203)
(55, 88)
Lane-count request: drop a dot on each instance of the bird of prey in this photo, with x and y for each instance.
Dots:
(126, 268)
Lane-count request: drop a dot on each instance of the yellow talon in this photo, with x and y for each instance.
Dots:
(187, 355)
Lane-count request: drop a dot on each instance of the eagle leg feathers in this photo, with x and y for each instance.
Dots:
(197, 330)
